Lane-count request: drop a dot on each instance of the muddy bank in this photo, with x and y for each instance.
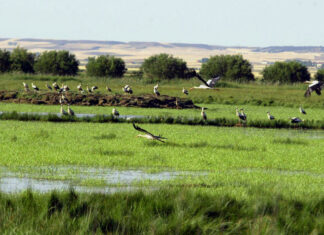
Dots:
(52, 98)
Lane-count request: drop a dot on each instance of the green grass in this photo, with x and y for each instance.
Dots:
(228, 93)
(160, 212)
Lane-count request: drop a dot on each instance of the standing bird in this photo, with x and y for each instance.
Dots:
(108, 89)
(70, 111)
(64, 99)
(156, 92)
(148, 135)
(115, 113)
(127, 89)
(156, 86)
(184, 91)
(243, 114)
(55, 86)
(48, 86)
(94, 88)
(26, 88)
(270, 117)
(296, 120)
(79, 87)
(88, 90)
(65, 88)
(316, 86)
(35, 87)
(62, 111)
(240, 115)
(203, 114)
(302, 111)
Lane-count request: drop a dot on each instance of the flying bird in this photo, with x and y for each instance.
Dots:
(184, 91)
(270, 117)
(302, 111)
(296, 120)
(147, 134)
(316, 86)
(210, 84)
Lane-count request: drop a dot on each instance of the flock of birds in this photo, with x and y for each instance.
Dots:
(316, 86)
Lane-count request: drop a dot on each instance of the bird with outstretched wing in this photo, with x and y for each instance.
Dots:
(147, 134)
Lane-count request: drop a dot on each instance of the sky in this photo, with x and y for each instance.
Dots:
(258, 23)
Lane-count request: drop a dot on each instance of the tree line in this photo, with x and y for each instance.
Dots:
(156, 67)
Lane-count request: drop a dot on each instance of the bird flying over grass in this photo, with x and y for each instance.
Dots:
(148, 135)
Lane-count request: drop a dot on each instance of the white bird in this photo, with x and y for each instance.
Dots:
(296, 120)
(115, 112)
(203, 114)
(302, 111)
(156, 86)
(35, 87)
(147, 134)
(156, 92)
(243, 114)
(26, 88)
(48, 86)
(62, 111)
(127, 89)
(316, 86)
(79, 87)
(65, 88)
(210, 84)
(240, 115)
(94, 88)
(70, 111)
(270, 117)
(184, 91)
(55, 86)
(88, 90)
(64, 99)
(108, 89)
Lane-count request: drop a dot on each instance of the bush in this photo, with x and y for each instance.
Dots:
(229, 67)
(57, 63)
(105, 66)
(164, 66)
(286, 72)
(22, 61)
(320, 75)
(4, 61)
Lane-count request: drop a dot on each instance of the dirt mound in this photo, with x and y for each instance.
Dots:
(52, 98)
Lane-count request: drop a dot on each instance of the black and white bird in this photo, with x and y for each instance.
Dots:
(93, 88)
(48, 86)
(203, 114)
(62, 111)
(26, 88)
(55, 86)
(241, 115)
(115, 112)
(270, 117)
(148, 135)
(89, 90)
(79, 87)
(35, 87)
(70, 111)
(210, 84)
(108, 89)
(65, 88)
(296, 120)
(127, 89)
(156, 92)
(316, 86)
(302, 111)
(185, 91)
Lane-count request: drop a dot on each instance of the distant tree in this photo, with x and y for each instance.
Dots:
(164, 66)
(106, 66)
(57, 63)
(229, 67)
(319, 75)
(21, 60)
(286, 72)
(4, 61)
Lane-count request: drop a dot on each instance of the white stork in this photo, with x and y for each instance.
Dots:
(70, 111)
(26, 88)
(35, 87)
(302, 111)
(62, 111)
(316, 86)
(147, 134)
(156, 92)
(94, 88)
(79, 87)
(210, 84)
(88, 90)
(296, 120)
(203, 114)
(127, 89)
(55, 86)
(185, 91)
(48, 86)
(270, 117)
(108, 89)
(115, 113)
(65, 88)
(240, 115)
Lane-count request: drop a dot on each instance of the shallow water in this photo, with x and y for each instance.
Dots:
(13, 182)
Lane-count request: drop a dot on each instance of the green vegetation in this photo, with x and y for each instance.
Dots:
(57, 63)
(4, 61)
(319, 75)
(22, 61)
(286, 72)
(105, 66)
(160, 212)
(164, 66)
(229, 67)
